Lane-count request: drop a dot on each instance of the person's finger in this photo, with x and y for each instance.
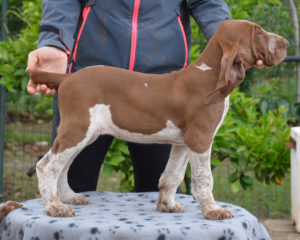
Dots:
(32, 61)
(260, 64)
(43, 88)
(31, 87)
(48, 91)
(38, 87)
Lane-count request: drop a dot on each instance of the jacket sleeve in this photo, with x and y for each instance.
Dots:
(59, 22)
(209, 14)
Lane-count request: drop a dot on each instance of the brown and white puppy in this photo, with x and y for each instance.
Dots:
(7, 207)
(183, 108)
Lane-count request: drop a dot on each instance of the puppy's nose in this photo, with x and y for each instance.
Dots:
(285, 43)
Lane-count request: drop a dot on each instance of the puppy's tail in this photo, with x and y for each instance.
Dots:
(52, 80)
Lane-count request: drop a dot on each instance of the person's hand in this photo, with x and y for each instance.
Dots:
(49, 59)
(260, 64)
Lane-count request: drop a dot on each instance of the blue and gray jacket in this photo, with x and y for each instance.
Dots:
(151, 36)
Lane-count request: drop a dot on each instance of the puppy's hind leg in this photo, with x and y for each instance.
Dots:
(51, 168)
(48, 171)
(65, 193)
(171, 179)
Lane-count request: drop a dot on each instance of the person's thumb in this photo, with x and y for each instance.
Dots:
(32, 61)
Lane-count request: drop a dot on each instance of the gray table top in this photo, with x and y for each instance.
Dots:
(129, 216)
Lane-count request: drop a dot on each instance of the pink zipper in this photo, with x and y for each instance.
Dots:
(185, 42)
(85, 14)
(134, 33)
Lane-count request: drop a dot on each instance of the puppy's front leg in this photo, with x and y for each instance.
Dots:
(202, 186)
(171, 179)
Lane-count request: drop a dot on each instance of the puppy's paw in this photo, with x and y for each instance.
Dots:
(10, 205)
(218, 214)
(79, 199)
(55, 209)
(165, 206)
(7, 207)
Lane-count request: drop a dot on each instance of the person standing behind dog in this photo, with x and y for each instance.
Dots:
(145, 36)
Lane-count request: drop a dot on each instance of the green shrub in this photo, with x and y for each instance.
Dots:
(14, 52)
(253, 141)
(118, 160)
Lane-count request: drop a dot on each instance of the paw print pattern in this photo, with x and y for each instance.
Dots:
(128, 216)
(58, 235)
(227, 235)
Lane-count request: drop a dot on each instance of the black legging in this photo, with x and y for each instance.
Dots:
(149, 161)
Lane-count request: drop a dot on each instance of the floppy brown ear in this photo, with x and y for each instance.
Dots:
(232, 73)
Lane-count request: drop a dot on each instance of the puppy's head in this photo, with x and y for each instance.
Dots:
(242, 44)
(269, 47)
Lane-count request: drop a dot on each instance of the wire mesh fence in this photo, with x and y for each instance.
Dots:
(26, 139)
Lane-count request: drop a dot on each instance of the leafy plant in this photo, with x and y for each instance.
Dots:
(118, 160)
(14, 52)
(243, 9)
(253, 141)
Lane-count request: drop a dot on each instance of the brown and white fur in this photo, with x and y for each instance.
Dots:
(183, 108)
(7, 207)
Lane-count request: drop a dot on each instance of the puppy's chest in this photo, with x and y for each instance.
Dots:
(224, 113)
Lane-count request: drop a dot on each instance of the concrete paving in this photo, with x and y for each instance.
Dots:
(281, 229)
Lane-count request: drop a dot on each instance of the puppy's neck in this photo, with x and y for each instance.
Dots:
(210, 57)
(203, 75)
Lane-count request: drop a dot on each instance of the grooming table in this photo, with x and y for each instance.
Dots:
(131, 216)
